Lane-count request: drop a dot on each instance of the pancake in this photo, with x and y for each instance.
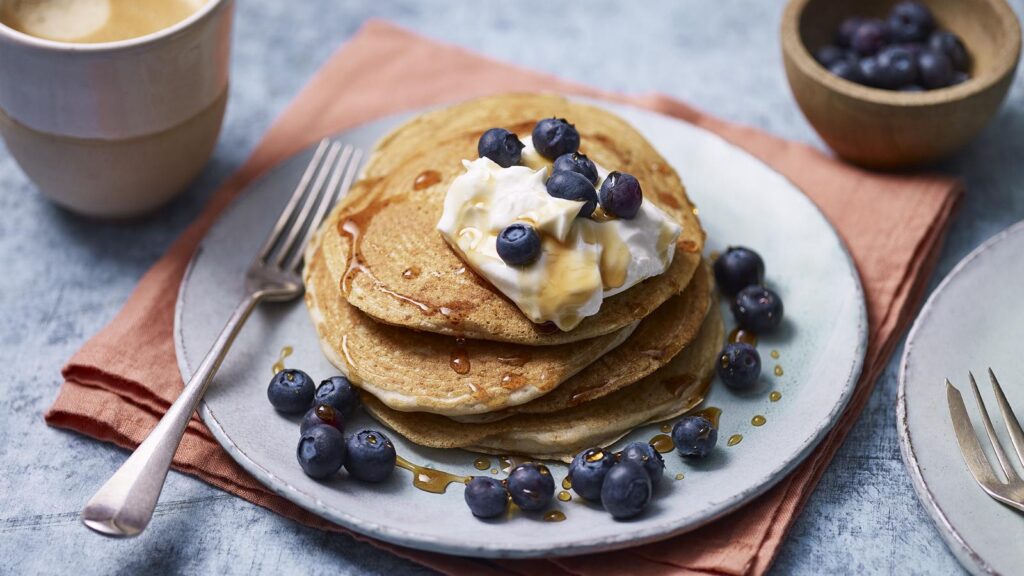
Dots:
(675, 389)
(411, 370)
(398, 269)
(655, 342)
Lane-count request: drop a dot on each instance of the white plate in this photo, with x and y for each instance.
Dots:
(742, 201)
(973, 320)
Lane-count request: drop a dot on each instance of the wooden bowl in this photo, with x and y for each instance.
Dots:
(888, 129)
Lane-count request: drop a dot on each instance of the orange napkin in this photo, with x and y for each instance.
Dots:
(120, 383)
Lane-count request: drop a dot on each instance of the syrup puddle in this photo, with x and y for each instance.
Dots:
(428, 479)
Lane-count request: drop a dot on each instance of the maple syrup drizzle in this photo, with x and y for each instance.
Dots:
(279, 365)
(744, 336)
(428, 479)
(348, 355)
(677, 385)
(663, 443)
(411, 272)
(554, 516)
(426, 179)
(517, 360)
(775, 354)
(734, 439)
(482, 463)
(459, 358)
(494, 470)
(666, 428)
(680, 476)
(758, 420)
(711, 413)
(775, 396)
(564, 496)
(566, 483)
(778, 370)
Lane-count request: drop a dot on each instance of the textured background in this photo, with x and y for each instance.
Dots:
(66, 277)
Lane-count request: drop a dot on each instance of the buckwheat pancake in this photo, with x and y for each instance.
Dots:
(669, 392)
(656, 341)
(399, 270)
(411, 370)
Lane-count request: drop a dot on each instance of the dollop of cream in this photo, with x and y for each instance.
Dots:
(582, 261)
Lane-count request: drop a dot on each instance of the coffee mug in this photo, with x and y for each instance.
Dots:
(116, 129)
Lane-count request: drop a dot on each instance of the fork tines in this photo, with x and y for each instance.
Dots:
(327, 178)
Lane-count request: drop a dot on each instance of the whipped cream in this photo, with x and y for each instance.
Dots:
(582, 261)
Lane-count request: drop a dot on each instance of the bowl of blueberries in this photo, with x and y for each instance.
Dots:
(891, 84)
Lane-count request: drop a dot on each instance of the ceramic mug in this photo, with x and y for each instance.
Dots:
(116, 129)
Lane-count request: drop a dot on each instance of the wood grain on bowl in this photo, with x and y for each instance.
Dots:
(887, 129)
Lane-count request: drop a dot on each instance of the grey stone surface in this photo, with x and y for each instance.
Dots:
(66, 277)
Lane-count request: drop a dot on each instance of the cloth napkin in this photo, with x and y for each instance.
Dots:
(124, 378)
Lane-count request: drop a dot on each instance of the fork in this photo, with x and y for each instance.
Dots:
(124, 505)
(1010, 492)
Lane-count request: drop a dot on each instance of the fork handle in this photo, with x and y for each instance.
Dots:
(125, 504)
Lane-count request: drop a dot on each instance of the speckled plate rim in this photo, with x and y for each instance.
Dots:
(667, 529)
(968, 557)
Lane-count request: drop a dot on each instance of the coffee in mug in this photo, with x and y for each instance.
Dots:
(93, 21)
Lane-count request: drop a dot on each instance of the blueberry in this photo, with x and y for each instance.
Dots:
(321, 451)
(738, 268)
(647, 457)
(587, 471)
(757, 309)
(847, 28)
(371, 456)
(829, 54)
(936, 69)
(847, 70)
(626, 490)
(573, 186)
(553, 137)
(911, 88)
(338, 393)
(519, 244)
(694, 436)
(870, 72)
(321, 414)
(950, 45)
(621, 195)
(739, 366)
(501, 146)
(579, 163)
(486, 497)
(291, 391)
(959, 78)
(896, 67)
(869, 37)
(531, 486)
(909, 22)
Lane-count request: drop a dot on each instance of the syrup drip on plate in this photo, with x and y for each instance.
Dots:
(778, 370)
(428, 479)
(775, 354)
(744, 336)
(734, 439)
(482, 463)
(663, 443)
(680, 476)
(711, 413)
(279, 365)
(564, 496)
(775, 396)
(426, 179)
(666, 428)
(758, 420)
(566, 483)
(554, 516)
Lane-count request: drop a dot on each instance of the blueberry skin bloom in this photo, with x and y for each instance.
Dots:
(486, 497)
(694, 436)
(518, 244)
(371, 456)
(626, 490)
(950, 45)
(291, 391)
(738, 268)
(553, 137)
(573, 186)
(897, 67)
(578, 163)
(321, 451)
(647, 457)
(621, 195)
(338, 393)
(501, 146)
(321, 414)
(936, 69)
(587, 472)
(909, 22)
(758, 309)
(739, 366)
(531, 486)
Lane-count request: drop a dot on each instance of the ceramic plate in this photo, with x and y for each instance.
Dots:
(820, 350)
(971, 322)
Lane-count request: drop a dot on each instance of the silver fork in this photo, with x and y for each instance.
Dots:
(1010, 492)
(124, 505)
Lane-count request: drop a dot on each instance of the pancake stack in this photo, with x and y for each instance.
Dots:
(444, 359)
